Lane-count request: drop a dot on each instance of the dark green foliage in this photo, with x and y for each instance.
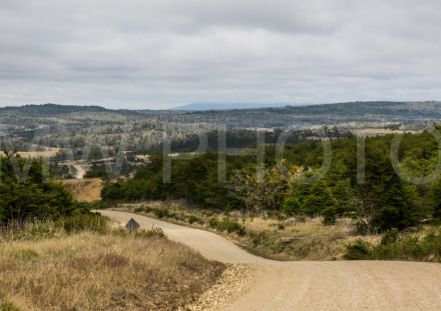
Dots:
(213, 222)
(30, 197)
(291, 206)
(320, 199)
(162, 213)
(195, 180)
(227, 225)
(329, 215)
(396, 247)
(359, 250)
(390, 236)
(194, 219)
(388, 202)
(435, 198)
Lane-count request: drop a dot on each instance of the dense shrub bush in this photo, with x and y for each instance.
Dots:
(194, 219)
(24, 197)
(396, 247)
(162, 213)
(228, 225)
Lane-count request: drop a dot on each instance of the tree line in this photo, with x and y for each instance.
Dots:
(384, 200)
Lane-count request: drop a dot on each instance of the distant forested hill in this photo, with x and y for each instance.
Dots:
(36, 116)
(207, 106)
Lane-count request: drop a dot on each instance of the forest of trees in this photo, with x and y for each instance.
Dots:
(31, 117)
(384, 200)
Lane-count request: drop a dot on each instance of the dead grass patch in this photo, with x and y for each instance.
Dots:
(87, 271)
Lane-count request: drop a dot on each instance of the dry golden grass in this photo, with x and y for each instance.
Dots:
(88, 271)
(316, 241)
(88, 189)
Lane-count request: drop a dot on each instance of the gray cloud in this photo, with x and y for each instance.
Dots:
(145, 54)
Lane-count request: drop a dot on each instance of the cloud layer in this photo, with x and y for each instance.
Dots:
(159, 54)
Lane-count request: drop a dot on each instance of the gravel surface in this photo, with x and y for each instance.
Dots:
(335, 285)
(230, 287)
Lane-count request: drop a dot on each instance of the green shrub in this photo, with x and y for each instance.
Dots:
(359, 250)
(227, 225)
(320, 198)
(194, 219)
(213, 222)
(291, 206)
(139, 209)
(258, 238)
(161, 213)
(390, 236)
(329, 215)
(362, 227)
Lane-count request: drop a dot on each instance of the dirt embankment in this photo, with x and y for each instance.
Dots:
(88, 189)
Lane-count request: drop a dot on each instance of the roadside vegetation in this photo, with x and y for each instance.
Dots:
(383, 202)
(258, 234)
(418, 246)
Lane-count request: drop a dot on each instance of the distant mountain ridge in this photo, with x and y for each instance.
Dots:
(206, 106)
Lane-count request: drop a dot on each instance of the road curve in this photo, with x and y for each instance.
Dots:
(80, 172)
(302, 285)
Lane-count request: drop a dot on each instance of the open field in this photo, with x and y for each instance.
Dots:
(107, 271)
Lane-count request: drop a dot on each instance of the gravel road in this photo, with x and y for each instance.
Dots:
(80, 172)
(336, 285)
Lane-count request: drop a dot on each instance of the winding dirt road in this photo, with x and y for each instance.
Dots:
(336, 285)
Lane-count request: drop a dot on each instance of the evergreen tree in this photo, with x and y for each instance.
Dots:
(33, 198)
(319, 199)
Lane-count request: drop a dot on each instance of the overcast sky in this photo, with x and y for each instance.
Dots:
(159, 54)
